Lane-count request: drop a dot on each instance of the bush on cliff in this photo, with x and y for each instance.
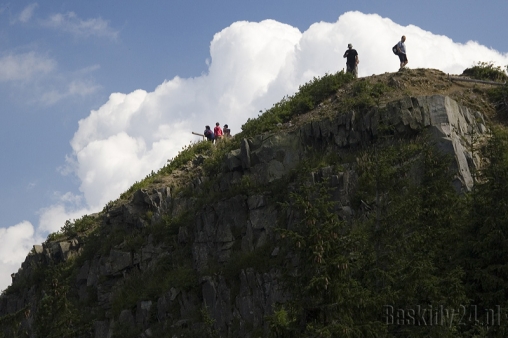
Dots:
(307, 98)
(486, 71)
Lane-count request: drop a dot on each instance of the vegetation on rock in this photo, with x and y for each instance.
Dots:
(487, 71)
(354, 261)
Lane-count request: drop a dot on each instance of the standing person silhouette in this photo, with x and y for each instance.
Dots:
(226, 131)
(352, 60)
(401, 48)
(217, 131)
(209, 134)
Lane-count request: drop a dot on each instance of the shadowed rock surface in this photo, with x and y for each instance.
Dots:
(225, 253)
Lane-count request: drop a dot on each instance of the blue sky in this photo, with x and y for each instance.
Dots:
(96, 94)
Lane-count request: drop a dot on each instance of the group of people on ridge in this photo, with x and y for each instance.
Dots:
(217, 133)
(352, 60)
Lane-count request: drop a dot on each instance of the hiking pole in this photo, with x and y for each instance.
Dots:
(201, 135)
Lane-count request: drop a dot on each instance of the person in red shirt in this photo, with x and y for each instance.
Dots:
(217, 131)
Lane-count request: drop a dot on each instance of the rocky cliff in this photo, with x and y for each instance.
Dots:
(203, 251)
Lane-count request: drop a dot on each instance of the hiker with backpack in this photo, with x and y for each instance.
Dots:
(209, 134)
(352, 60)
(400, 50)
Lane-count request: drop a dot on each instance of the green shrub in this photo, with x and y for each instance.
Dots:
(307, 98)
(485, 247)
(214, 156)
(363, 95)
(486, 71)
(85, 224)
(213, 164)
(499, 97)
(187, 154)
(395, 252)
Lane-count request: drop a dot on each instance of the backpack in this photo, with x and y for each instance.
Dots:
(394, 49)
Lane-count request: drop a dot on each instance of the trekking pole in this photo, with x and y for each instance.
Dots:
(201, 135)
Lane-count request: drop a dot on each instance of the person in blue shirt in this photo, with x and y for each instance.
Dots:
(401, 48)
(209, 134)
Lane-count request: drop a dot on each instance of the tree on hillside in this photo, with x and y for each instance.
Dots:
(486, 252)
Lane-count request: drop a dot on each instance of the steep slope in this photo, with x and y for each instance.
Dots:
(315, 226)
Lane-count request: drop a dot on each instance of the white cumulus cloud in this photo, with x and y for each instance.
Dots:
(15, 243)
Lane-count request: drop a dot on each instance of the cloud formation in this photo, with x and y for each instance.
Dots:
(39, 76)
(19, 67)
(75, 88)
(69, 22)
(27, 13)
(251, 67)
(15, 243)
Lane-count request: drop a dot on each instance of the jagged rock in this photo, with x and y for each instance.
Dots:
(217, 300)
(263, 218)
(143, 313)
(38, 249)
(275, 252)
(261, 239)
(82, 276)
(258, 293)
(346, 212)
(228, 180)
(248, 239)
(118, 261)
(214, 230)
(126, 318)
(245, 154)
(101, 329)
(165, 303)
(183, 235)
(243, 225)
(256, 201)
(60, 251)
(233, 160)
(274, 156)
(189, 304)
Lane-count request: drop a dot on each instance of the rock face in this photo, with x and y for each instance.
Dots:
(235, 226)
(268, 158)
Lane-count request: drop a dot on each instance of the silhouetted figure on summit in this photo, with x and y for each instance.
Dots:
(217, 131)
(226, 131)
(209, 134)
(352, 60)
(401, 49)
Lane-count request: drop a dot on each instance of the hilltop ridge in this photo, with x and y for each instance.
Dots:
(415, 82)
